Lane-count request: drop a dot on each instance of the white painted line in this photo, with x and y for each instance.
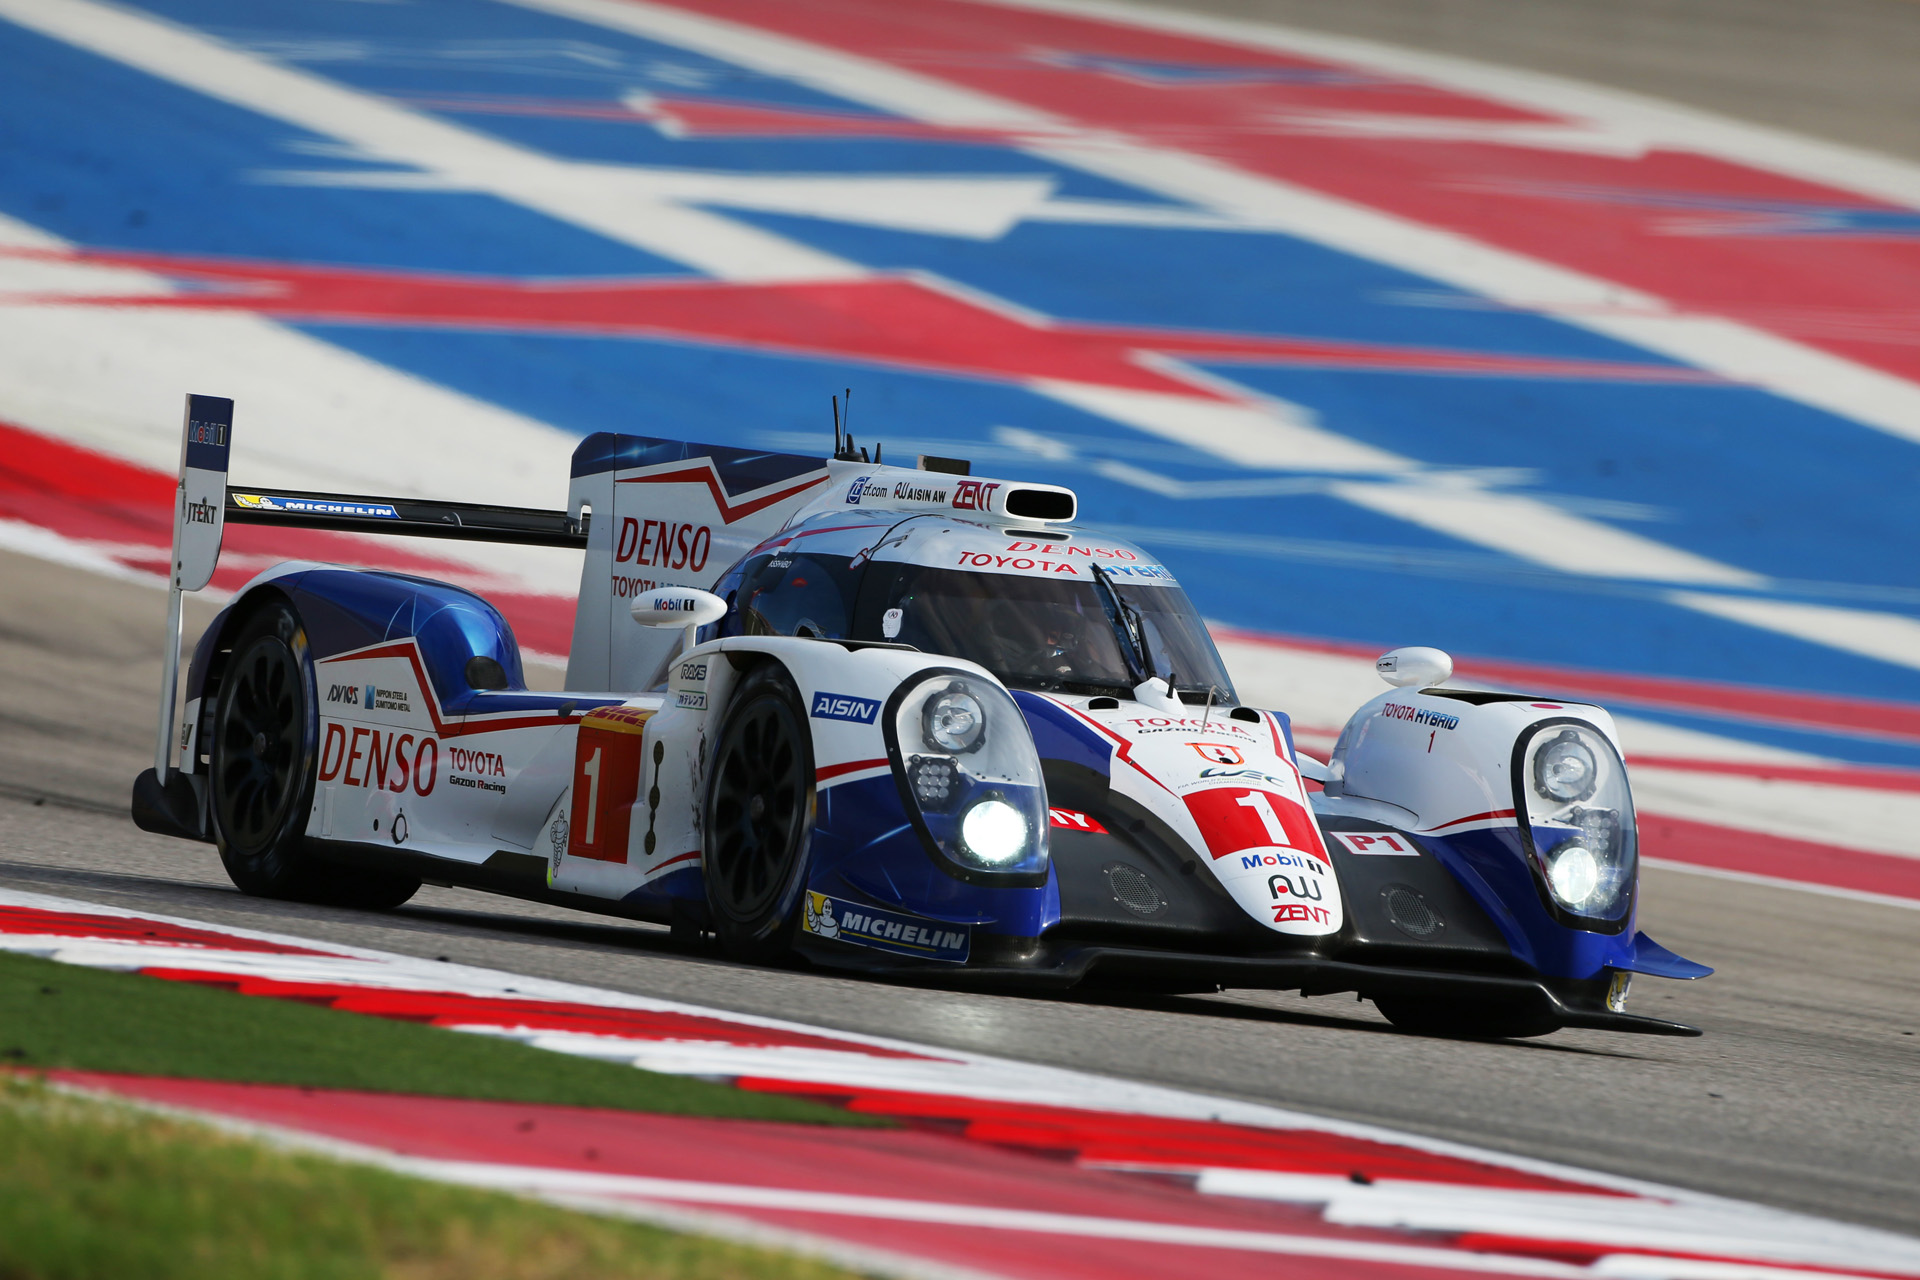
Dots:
(1563, 541)
(1889, 637)
(1791, 886)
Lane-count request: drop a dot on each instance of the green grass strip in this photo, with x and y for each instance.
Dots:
(57, 1015)
(97, 1191)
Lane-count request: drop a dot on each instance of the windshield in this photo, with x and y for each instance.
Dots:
(1044, 633)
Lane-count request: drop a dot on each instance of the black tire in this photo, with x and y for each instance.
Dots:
(758, 819)
(1464, 1019)
(266, 731)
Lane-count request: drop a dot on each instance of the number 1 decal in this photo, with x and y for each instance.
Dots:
(606, 782)
(592, 771)
(1263, 809)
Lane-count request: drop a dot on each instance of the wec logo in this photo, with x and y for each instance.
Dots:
(840, 706)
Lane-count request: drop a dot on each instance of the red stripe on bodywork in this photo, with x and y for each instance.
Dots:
(729, 512)
(852, 766)
(1478, 817)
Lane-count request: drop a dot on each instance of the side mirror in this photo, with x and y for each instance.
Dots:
(678, 607)
(1413, 665)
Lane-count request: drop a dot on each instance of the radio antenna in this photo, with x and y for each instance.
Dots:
(836, 426)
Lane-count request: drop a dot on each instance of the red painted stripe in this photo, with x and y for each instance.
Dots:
(1868, 779)
(1704, 845)
(898, 320)
(1861, 717)
(33, 921)
(450, 1009)
(852, 766)
(1173, 1144)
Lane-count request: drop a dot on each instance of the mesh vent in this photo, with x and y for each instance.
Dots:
(1410, 913)
(1132, 889)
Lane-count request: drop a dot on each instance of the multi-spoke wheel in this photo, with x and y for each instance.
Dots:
(759, 817)
(265, 735)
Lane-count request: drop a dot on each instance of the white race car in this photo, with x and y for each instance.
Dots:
(886, 718)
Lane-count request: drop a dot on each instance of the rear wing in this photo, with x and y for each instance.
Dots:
(408, 517)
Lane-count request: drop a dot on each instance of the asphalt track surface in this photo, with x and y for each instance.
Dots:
(1802, 1093)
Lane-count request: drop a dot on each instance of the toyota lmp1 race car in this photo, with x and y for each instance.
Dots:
(891, 719)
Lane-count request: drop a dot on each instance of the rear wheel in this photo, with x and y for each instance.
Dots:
(759, 817)
(1465, 1019)
(266, 729)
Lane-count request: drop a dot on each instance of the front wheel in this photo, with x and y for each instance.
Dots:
(759, 817)
(1465, 1019)
(266, 730)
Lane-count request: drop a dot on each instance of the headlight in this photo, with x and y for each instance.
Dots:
(970, 777)
(1577, 817)
(1572, 874)
(994, 831)
(954, 720)
(1565, 768)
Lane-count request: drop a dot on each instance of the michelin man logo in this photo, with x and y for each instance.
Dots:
(820, 919)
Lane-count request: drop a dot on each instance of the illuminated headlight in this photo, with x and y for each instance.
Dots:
(994, 832)
(954, 720)
(1566, 768)
(1571, 792)
(1573, 875)
(970, 778)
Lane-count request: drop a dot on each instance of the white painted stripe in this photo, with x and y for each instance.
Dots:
(1566, 542)
(1889, 637)
(44, 544)
(1265, 434)
(1392, 1204)
(1777, 882)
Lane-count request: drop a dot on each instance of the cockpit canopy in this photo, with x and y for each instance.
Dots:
(1060, 609)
